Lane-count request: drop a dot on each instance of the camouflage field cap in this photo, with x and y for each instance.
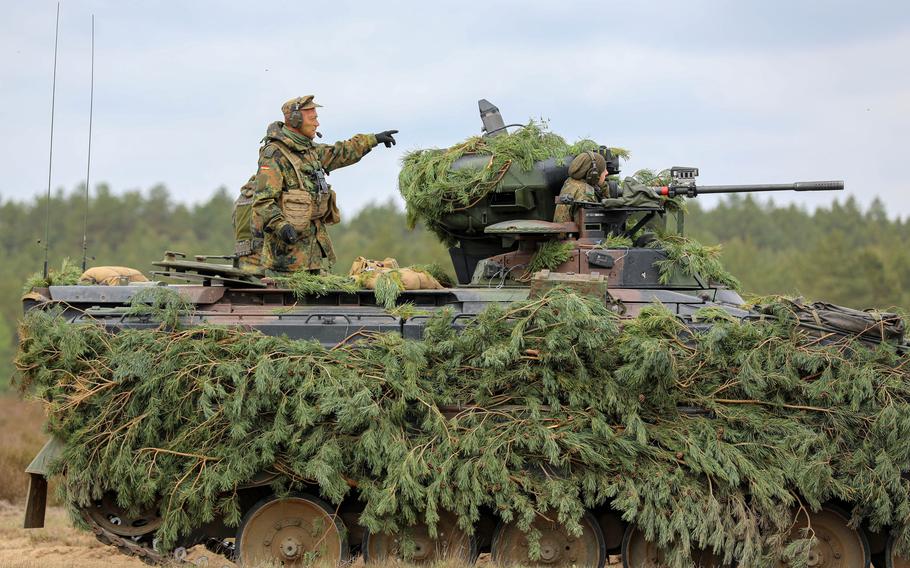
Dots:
(305, 102)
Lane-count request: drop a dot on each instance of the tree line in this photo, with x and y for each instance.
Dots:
(842, 253)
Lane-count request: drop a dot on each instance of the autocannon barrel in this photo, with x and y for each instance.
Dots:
(689, 189)
(798, 186)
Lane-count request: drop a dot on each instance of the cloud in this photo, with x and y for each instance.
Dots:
(184, 91)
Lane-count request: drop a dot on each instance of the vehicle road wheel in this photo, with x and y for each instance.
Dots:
(299, 530)
(557, 546)
(451, 543)
(640, 553)
(892, 560)
(116, 519)
(836, 544)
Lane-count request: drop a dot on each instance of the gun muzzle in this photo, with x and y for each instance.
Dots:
(834, 185)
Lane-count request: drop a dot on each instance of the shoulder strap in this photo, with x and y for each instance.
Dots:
(292, 157)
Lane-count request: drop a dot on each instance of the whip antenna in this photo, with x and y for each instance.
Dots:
(50, 160)
(88, 167)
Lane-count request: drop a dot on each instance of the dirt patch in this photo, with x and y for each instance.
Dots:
(58, 544)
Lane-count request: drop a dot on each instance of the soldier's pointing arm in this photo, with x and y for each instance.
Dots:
(345, 152)
(269, 183)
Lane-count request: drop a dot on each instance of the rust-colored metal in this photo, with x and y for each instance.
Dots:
(451, 543)
(299, 530)
(638, 552)
(836, 545)
(114, 518)
(558, 547)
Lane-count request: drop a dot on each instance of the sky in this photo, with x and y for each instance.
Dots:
(749, 92)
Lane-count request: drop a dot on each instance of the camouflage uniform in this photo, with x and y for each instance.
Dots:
(287, 191)
(578, 185)
(577, 190)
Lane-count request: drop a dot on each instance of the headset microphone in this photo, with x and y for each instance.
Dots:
(318, 134)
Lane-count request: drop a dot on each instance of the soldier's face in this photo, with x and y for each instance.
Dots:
(310, 122)
(603, 177)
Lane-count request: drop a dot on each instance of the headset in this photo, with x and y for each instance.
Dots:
(295, 117)
(593, 175)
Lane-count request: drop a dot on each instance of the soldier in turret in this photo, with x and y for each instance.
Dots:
(587, 173)
(292, 202)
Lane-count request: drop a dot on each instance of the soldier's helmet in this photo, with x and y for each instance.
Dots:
(584, 165)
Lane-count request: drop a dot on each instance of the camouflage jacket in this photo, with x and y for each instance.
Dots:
(287, 191)
(576, 189)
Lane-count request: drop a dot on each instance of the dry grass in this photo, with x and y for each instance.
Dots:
(58, 544)
(21, 438)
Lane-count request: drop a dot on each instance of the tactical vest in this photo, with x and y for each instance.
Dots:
(300, 205)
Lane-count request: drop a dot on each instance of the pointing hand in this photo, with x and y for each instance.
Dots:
(386, 138)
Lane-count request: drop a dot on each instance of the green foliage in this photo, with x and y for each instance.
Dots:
(387, 288)
(554, 384)
(549, 256)
(67, 275)
(842, 252)
(407, 310)
(436, 272)
(432, 189)
(692, 259)
(307, 284)
(162, 304)
(615, 241)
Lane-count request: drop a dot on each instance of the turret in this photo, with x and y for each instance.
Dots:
(521, 205)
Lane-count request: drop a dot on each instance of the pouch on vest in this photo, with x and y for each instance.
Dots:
(319, 207)
(297, 206)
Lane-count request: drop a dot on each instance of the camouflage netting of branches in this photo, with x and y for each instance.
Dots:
(431, 189)
(570, 409)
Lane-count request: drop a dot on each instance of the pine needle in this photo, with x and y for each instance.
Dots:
(549, 256)
(305, 284)
(691, 258)
(67, 275)
(699, 434)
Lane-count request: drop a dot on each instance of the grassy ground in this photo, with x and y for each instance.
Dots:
(21, 437)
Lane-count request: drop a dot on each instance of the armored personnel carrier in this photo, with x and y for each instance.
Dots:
(496, 239)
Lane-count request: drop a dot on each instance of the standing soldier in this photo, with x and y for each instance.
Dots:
(292, 201)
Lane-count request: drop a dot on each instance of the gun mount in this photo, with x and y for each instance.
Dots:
(683, 184)
(516, 215)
